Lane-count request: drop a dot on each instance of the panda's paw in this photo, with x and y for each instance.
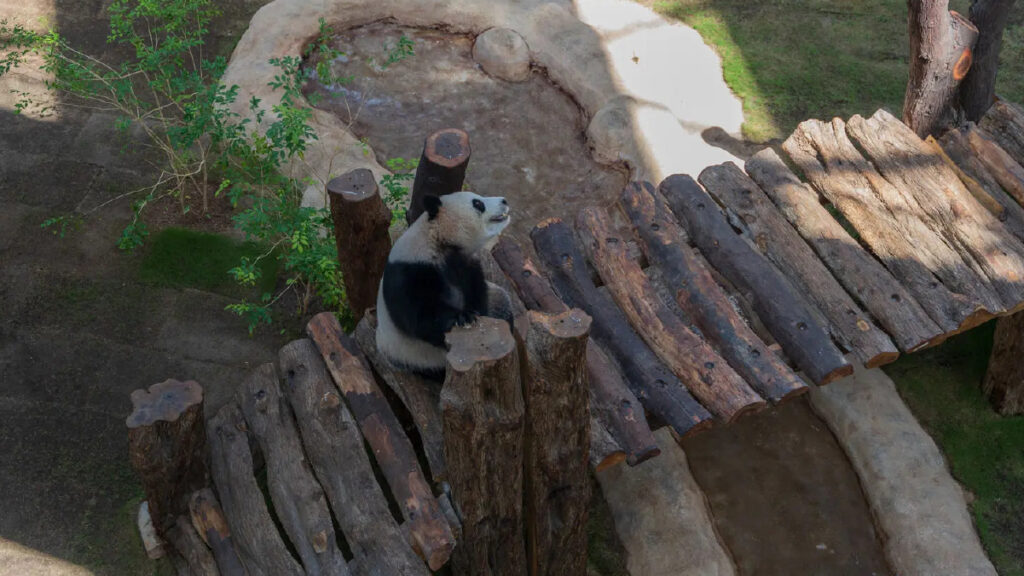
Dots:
(464, 318)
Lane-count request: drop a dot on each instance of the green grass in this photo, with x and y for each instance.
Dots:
(985, 451)
(184, 258)
(790, 60)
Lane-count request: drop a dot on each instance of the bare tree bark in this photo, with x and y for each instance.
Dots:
(978, 91)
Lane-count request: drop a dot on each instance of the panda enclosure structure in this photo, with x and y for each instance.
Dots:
(685, 304)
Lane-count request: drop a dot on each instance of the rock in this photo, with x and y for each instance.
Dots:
(611, 133)
(503, 53)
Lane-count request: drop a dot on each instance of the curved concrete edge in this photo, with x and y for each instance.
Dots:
(662, 517)
(658, 142)
(918, 506)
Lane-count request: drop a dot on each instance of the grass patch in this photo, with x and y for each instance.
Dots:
(985, 451)
(790, 60)
(188, 259)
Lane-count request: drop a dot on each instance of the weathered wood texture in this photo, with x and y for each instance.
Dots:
(1004, 381)
(484, 418)
(421, 397)
(775, 300)
(931, 187)
(190, 546)
(428, 528)
(298, 499)
(917, 256)
(257, 541)
(977, 93)
(617, 417)
(361, 223)
(983, 196)
(657, 388)
(941, 44)
(166, 446)
(211, 525)
(336, 452)
(1004, 169)
(706, 374)
(776, 239)
(699, 296)
(1005, 123)
(442, 168)
(862, 276)
(557, 439)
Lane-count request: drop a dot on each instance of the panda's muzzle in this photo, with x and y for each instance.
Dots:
(504, 212)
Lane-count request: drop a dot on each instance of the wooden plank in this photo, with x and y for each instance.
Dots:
(298, 499)
(657, 388)
(429, 530)
(849, 325)
(209, 522)
(1004, 121)
(931, 188)
(338, 457)
(706, 374)
(191, 548)
(618, 421)
(484, 419)
(918, 257)
(862, 276)
(1002, 166)
(259, 545)
(775, 300)
(699, 296)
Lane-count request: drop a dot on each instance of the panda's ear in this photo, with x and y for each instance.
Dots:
(432, 204)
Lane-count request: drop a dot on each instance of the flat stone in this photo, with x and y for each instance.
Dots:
(662, 518)
(503, 53)
(919, 507)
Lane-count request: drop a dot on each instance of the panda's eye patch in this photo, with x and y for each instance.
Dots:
(479, 206)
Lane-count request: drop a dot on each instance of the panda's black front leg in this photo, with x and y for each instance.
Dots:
(456, 317)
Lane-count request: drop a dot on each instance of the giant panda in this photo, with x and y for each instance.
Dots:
(434, 281)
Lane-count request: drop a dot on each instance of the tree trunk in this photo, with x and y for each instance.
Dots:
(775, 300)
(167, 447)
(557, 442)
(209, 522)
(941, 44)
(361, 223)
(978, 91)
(484, 419)
(431, 535)
(1004, 382)
(442, 168)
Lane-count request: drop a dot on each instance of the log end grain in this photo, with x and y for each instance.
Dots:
(165, 402)
(487, 339)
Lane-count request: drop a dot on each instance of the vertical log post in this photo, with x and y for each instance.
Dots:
(166, 444)
(941, 44)
(442, 168)
(557, 440)
(978, 91)
(482, 408)
(1004, 382)
(361, 222)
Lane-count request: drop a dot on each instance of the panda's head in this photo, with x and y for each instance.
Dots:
(466, 220)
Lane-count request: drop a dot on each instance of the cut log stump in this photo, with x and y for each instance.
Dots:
(1004, 381)
(209, 522)
(484, 419)
(442, 168)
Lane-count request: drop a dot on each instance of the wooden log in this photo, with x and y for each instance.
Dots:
(657, 388)
(863, 277)
(190, 546)
(442, 168)
(941, 44)
(431, 536)
(775, 300)
(421, 397)
(1004, 122)
(780, 243)
(484, 419)
(361, 223)
(916, 255)
(983, 196)
(209, 522)
(257, 541)
(699, 296)
(619, 429)
(339, 460)
(1004, 381)
(706, 374)
(977, 93)
(1004, 169)
(556, 476)
(166, 446)
(298, 499)
(928, 185)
